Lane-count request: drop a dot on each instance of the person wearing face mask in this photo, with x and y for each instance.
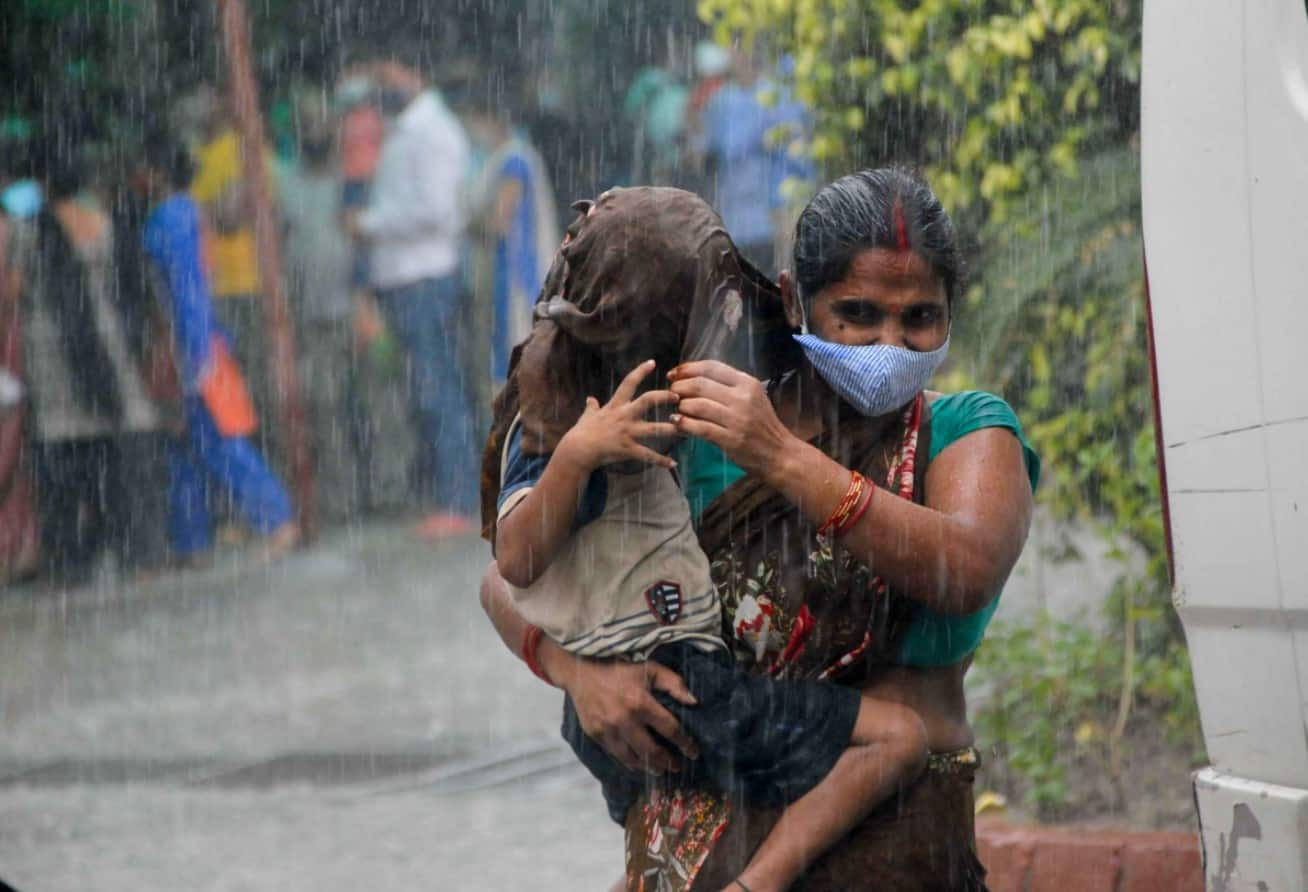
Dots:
(860, 528)
(414, 228)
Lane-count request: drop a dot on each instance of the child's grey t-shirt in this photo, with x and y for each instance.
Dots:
(630, 577)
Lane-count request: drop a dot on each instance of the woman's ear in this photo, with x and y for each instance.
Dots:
(790, 300)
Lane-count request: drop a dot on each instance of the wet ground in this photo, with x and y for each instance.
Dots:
(342, 719)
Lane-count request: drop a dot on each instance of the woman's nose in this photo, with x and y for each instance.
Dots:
(892, 333)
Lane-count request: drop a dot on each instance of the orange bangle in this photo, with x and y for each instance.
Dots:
(853, 496)
(530, 642)
(857, 514)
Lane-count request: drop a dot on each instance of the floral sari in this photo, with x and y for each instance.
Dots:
(796, 605)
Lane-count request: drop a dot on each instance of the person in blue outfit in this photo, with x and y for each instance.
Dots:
(203, 453)
(512, 200)
(745, 143)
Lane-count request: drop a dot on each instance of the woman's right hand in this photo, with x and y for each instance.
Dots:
(617, 709)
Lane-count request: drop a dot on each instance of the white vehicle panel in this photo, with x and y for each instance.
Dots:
(1225, 189)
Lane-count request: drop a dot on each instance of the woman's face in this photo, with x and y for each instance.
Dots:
(886, 297)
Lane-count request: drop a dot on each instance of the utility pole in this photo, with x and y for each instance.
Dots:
(281, 340)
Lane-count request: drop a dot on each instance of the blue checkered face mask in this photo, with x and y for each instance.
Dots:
(873, 378)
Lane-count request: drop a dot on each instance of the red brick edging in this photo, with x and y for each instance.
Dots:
(1064, 859)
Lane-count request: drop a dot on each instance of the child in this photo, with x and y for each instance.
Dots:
(594, 538)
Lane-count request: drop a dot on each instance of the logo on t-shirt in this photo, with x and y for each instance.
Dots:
(664, 600)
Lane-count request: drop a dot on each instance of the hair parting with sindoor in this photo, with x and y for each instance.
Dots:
(891, 208)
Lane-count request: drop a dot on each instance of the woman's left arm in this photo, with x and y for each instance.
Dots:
(952, 553)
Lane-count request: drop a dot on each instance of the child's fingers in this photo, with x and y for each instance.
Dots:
(650, 457)
(646, 401)
(629, 384)
(592, 405)
(643, 429)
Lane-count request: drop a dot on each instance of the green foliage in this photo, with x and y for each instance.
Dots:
(991, 97)
(1023, 116)
(1055, 705)
(1053, 686)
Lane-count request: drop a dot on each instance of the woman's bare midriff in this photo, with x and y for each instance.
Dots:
(935, 694)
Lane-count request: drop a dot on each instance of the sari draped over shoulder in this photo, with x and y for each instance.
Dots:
(798, 606)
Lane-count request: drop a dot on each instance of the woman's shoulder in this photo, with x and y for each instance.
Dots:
(955, 415)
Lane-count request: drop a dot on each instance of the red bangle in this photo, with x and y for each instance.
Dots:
(848, 503)
(856, 516)
(530, 641)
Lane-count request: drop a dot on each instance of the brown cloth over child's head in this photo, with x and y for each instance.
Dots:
(643, 273)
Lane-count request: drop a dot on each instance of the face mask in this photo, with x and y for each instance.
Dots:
(22, 199)
(353, 90)
(873, 378)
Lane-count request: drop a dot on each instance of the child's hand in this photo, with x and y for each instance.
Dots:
(612, 432)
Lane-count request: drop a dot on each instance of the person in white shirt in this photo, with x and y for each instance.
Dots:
(414, 227)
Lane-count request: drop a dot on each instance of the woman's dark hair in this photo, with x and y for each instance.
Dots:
(884, 208)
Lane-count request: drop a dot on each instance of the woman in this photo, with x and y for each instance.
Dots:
(513, 208)
(897, 605)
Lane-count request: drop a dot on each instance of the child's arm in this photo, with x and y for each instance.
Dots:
(530, 535)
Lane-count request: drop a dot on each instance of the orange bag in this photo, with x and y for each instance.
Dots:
(226, 396)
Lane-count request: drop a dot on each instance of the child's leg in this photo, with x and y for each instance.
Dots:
(887, 748)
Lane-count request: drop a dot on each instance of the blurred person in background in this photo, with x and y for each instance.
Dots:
(221, 190)
(562, 142)
(381, 424)
(744, 145)
(361, 133)
(18, 529)
(218, 415)
(318, 268)
(97, 454)
(712, 64)
(414, 226)
(512, 210)
(655, 108)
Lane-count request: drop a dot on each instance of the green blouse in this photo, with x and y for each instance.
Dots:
(932, 638)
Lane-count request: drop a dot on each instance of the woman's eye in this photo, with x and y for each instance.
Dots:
(919, 317)
(857, 311)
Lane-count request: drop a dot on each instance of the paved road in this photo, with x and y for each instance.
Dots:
(343, 719)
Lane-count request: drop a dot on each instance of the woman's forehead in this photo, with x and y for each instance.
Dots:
(877, 271)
